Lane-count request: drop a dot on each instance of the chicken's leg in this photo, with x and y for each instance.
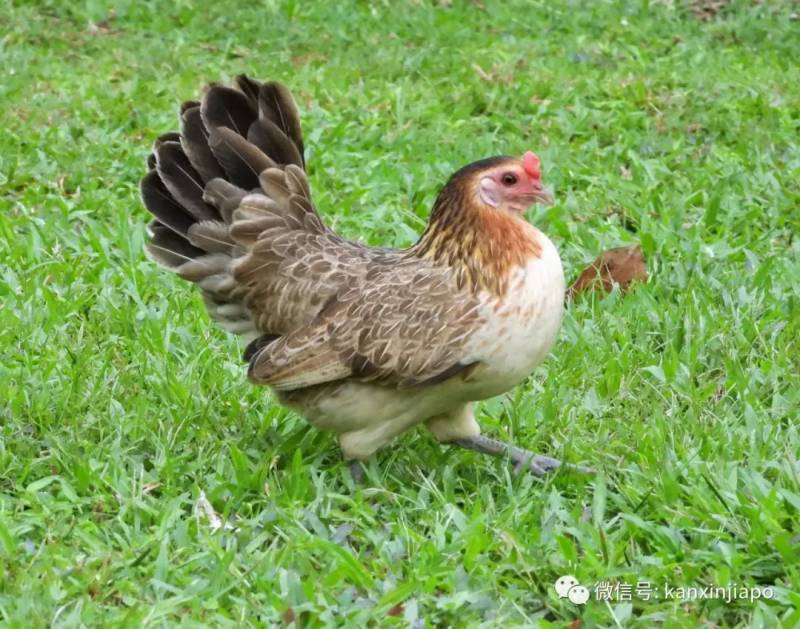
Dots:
(538, 464)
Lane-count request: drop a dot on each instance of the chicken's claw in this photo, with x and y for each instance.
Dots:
(537, 464)
(356, 471)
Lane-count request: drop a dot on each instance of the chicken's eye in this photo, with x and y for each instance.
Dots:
(509, 179)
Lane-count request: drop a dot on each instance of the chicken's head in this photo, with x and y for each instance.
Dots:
(476, 224)
(513, 184)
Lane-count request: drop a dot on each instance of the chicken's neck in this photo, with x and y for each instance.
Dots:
(482, 245)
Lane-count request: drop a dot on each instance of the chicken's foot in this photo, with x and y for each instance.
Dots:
(538, 464)
(356, 471)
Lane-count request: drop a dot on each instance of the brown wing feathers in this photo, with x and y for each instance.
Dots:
(404, 327)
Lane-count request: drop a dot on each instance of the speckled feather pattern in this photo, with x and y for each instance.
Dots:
(362, 341)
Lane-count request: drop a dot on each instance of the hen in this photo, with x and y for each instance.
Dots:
(363, 342)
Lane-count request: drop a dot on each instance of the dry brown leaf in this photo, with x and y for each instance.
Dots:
(621, 265)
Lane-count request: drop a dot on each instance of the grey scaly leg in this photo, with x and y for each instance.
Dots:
(538, 464)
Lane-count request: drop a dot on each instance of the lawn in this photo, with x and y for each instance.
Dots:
(122, 409)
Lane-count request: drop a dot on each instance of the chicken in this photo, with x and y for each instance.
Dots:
(363, 342)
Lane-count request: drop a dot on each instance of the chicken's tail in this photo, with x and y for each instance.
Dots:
(233, 141)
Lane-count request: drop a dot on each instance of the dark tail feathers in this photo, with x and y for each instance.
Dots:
(198, 177)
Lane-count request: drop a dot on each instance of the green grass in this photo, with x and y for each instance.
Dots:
(120, 403)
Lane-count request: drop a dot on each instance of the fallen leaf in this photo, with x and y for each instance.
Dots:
(622, 265)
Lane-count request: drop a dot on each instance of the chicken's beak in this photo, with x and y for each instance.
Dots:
(543, 196)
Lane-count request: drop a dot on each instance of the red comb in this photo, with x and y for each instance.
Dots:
(532, 165)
